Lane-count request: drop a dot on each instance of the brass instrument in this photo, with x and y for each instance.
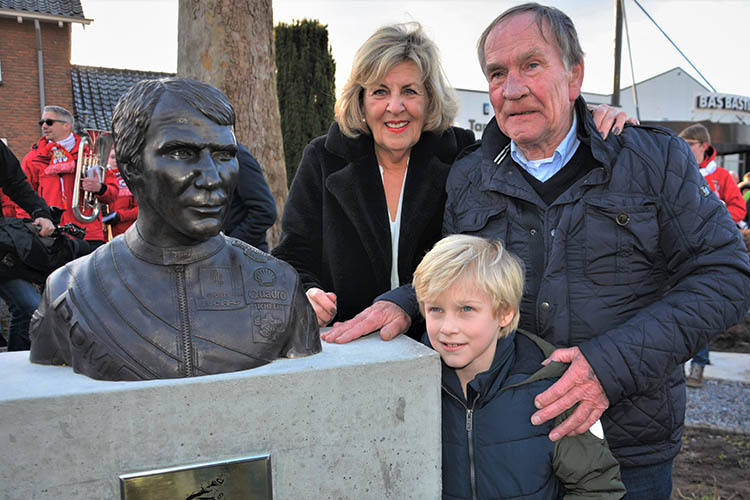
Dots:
(106, 211)
(90, 165)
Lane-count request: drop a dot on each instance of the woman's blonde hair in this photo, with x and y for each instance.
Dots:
(387, 47)
(475, 262)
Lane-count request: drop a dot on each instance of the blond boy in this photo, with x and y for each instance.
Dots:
(469, 291)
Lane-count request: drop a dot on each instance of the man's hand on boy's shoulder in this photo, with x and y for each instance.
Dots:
(577, 385)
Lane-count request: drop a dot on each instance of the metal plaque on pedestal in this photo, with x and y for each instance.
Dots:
(247, 478)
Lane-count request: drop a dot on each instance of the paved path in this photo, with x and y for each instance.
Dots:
(724, 400)
(728, 366)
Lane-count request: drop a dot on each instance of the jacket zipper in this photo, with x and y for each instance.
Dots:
(470, 437)
(187, 369)
(470, 434)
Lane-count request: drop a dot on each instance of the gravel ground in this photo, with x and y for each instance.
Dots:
(719, 404)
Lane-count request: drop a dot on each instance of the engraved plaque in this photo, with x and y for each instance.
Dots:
(247, 478)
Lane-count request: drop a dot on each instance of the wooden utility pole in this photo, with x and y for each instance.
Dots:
(618, 54)
(229, 44)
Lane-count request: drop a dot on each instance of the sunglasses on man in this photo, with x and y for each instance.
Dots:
(50, 121)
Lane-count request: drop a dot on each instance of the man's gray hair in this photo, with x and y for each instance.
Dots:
(63, 113)
(556, 21)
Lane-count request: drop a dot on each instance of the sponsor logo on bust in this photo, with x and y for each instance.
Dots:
(221, 288)
(251, 252)
(171, 255)
(264, 276)
(267, 327)
(262, 306)
(268, 294)
(88, 353)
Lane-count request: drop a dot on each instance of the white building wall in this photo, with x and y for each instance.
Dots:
(474, 110)
(666, 97)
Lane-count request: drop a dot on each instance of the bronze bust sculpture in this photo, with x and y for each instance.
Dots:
(173, 297)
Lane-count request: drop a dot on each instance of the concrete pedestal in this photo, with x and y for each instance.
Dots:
(357, 421)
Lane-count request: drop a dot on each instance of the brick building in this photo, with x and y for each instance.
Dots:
(35, 70)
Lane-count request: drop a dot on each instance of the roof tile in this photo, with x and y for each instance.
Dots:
(67, 8)
(96, 91)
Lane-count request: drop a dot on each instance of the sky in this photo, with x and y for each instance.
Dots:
(142, 34)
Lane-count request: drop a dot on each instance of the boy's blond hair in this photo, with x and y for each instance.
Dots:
(480, 263)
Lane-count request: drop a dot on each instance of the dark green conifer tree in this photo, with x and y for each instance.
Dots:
(306, 86)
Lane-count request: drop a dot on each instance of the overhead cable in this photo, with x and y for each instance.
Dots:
(630, 56)
(675, 45)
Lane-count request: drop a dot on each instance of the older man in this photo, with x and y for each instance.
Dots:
(174, 297)
(631, 263)
(50, 167)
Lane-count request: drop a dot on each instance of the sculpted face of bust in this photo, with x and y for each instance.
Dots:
(188, 173)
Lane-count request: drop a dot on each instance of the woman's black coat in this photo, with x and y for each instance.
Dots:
(335, 227)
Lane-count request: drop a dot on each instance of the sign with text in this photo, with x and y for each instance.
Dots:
(724, 102)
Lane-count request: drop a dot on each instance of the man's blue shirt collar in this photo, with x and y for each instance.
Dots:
(545, 168)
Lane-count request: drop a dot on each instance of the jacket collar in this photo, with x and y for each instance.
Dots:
(604, 151)
(169, 256)
(486, 384)
(498, 172)
(357, 186)
(43, 143)
(708, 157)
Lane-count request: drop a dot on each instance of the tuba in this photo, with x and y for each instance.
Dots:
(89, 164)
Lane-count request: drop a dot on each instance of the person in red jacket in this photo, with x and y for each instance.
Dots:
(721, 182)
(719, 179)
(9, 208)
(50, 167)
(124, 210)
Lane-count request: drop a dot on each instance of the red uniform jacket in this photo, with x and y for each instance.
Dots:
(125, 204)
(51, 171)
(9, 208)
(721, 182)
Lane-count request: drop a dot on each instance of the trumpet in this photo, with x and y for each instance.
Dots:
(88, 164)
